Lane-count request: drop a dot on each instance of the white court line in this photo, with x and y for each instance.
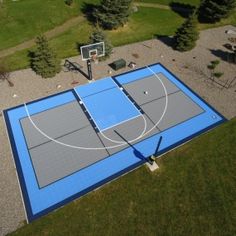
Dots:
(107, 147)
(155, 125)
(145, 122)
(129, 141)
(61, 143)
(87, 110)
(64, 144)
(122, 91)
(134, 117)
(166, 104)
(101, 130)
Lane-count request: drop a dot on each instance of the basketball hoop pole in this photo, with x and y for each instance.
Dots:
(89, 66)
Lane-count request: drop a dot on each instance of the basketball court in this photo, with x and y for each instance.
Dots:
(70, 143)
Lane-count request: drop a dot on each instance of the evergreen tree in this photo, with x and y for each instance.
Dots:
(99, 36)
(187, 35)
(111, 14)
(44, 60)
(212, 11)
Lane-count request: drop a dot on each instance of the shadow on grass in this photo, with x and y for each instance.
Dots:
(184, 10)
(88, 10)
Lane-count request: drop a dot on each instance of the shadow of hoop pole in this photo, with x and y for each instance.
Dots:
(73, 66)
(137, 153)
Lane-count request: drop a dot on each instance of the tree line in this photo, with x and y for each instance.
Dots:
(112, 14)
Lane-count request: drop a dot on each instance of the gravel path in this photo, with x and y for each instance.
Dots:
(190, 67)
(161, 6)
(153, 5)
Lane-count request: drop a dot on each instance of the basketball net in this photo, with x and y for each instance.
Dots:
(94, 59)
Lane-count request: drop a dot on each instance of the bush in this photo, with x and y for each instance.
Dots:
(212, 68)
(215, 62)
(218, 74)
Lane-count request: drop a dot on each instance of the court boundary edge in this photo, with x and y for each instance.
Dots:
(23, 189)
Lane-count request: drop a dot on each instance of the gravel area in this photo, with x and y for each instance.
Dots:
(190, 67)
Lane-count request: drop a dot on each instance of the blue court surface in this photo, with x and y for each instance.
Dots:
(71, 143)
(106, 112)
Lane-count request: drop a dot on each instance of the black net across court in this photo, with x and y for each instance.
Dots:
(71, 125)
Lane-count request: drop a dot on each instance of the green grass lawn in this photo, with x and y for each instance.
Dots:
(142, 25)
(24, 19)
(193, 193)
(167, 2)
(146, 23)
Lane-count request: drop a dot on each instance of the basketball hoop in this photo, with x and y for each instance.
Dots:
(88, 51)
(91, 53)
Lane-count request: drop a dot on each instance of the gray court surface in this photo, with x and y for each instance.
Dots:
(152, 85)
(55, 123)
(69, 125)
(180, 107)
(129, 131)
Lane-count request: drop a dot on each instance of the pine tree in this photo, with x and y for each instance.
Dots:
(99, 36)
(187, 35)
(211, 11)
(113, 13)
(44, 60)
